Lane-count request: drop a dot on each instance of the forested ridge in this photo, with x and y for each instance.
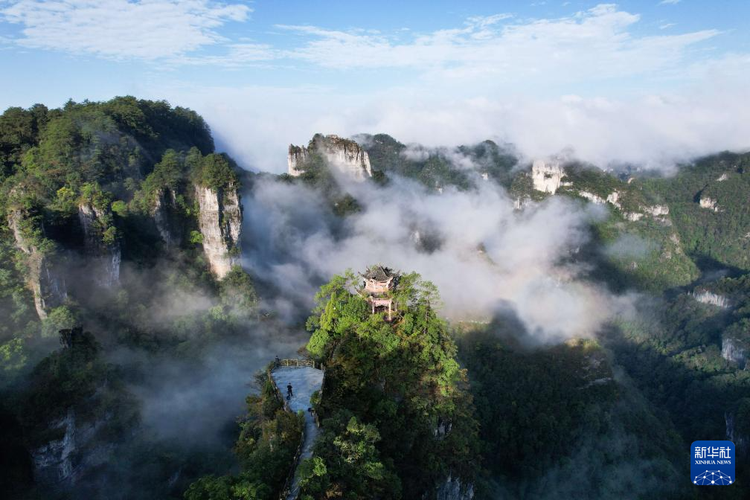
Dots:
(82, 245)
(113, 215)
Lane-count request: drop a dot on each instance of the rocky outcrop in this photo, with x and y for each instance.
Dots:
(547, 177)
(345, 155)
(714, 299)
(598, 200)
(106, 257)
(734, 351)
(453, 489)
(740, 440)
(708, 203)
(613, 198)
(296, 160)
(166, 217)
(61, 462)
(53, 462)
(220, 222)
(656, 210)
(47, 285)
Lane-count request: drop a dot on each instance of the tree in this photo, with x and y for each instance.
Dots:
(388, 388)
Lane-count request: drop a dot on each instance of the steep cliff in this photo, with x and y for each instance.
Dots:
(76, 411)
(100, 244)
(453, 489)
(345, 155)
(47, 285)
(734, 351)
(53, 461)
(709, 203)
(166, 216)
(220, 222)
(547, 176)
(296, 160)
(705, 297)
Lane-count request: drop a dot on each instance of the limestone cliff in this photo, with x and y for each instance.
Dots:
(61, 462)
(106, 256)
(739, 439)
(658, 212)
(734, 351)
(343, 154)
(47, 285)
(709, 203)
(453, 489)
(166, 217)
(547, 176)
(220, 222)
(706, 297)
(296, 160)
(53, 462)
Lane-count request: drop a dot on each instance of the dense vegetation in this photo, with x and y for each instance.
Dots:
(555, 423)
(439, 168)
(586, 419)
(80, 187)
(391, 390)
(717, 237)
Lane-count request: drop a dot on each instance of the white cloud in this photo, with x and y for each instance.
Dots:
(593, 44)
(669, 2)
(237, 55)
(635, 97)
(121, 29)
(666, 25)
(256, 124)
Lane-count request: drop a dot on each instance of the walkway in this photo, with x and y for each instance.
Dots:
(305, 381)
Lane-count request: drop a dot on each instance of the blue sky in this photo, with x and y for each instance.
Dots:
(551, 75)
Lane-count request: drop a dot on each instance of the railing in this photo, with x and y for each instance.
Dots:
(287, 489)
(297, 363)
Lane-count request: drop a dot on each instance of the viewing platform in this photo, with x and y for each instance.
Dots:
(305, 379)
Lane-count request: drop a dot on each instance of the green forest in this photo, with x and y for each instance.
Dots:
(127, 284)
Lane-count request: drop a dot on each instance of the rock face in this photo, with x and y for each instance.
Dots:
(220, 222)
(47, 285)
(740, 441)
(296, 160)
(734, 351)
(711, 298)
(63, 461)
(106, 257)
(346, 155)
(53, 462)
(709, 203)
(613, 198)
(657, 210)
(598, 200)
(165, 214)
(453, 489)
(547, 177)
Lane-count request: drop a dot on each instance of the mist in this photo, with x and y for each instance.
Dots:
(483, 255)
(655, 130)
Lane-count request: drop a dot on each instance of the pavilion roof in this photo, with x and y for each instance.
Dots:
(379, 273)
